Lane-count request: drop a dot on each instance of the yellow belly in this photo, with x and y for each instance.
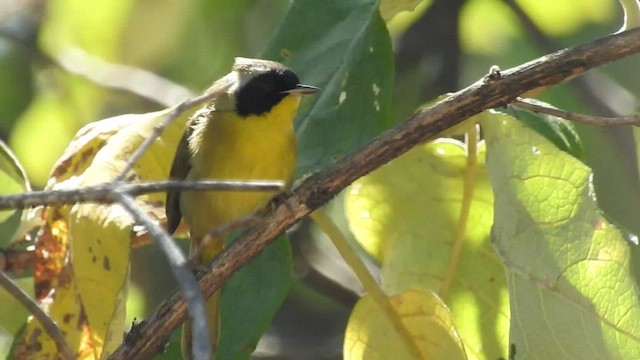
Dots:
(232, 148)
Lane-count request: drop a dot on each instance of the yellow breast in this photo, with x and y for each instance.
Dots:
(234, 148)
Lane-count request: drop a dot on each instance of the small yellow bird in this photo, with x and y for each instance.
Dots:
(244, 134)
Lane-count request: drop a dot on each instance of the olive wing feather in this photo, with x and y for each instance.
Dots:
(179, 171)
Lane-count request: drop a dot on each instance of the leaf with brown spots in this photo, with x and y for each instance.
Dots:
(50, 252)
(82, 250)
(65, 307)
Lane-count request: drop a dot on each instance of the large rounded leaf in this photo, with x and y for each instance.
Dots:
(571, 291)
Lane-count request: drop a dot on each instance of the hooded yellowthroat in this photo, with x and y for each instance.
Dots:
(244, 134)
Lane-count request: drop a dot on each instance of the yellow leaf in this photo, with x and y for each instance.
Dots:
(408, 215)
(371, 336)
(64, 307)
(83, 148)
(99, 244)
(83, 267)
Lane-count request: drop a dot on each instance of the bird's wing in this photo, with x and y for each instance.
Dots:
(179, 170)
(182, 160)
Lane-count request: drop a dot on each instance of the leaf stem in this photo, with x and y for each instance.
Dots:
(470, 172)
(368, 281)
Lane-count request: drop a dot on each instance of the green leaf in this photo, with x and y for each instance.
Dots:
(12, 316)
(251, 298)
(16, 87)
(407, 214)
(13, 179)
(344, 47)
(571, 291)
(557, 130)
(173, 350)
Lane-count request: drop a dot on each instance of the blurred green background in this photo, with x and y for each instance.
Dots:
(65, 63)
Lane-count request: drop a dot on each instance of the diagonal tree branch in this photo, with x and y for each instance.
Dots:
(423, 125)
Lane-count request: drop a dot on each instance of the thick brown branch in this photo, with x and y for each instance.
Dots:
(424, 125)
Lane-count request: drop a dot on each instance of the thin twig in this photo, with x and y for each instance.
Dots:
(536, 106)
(108, 192)
(48, 324)
(171, 116)
(424, 125)
(201, 345)
(369, 283)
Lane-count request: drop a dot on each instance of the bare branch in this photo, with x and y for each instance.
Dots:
(201, 344)
(536, 106)
(47, 323)
(108, 192)
(422, 126)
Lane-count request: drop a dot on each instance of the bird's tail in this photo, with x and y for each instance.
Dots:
(212, 247)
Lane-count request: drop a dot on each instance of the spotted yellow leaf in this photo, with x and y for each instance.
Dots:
(82, 251)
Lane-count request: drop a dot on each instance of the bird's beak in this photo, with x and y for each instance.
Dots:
(303, 90)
